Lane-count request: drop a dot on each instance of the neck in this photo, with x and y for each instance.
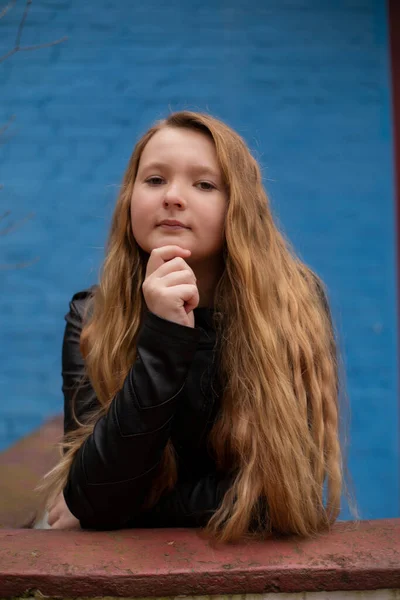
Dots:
(207, 280)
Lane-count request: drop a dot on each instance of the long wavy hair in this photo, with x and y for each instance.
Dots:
(277, 432)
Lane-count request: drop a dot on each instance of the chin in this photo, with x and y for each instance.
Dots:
(171, 239)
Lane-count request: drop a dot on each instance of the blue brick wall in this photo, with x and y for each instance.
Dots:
(305, 82)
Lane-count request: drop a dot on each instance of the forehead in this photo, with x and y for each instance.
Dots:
(172, 145)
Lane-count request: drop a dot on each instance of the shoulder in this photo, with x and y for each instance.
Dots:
(79, 305)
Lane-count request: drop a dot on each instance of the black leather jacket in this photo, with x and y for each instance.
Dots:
(171, 391)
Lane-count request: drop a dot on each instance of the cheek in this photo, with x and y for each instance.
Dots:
(217, 220)
(138, 220)
(213, 228)
(138, 209)
(134, 217)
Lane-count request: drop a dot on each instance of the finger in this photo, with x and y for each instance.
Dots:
(55, 524)
(58, 524)
(178, 277)
(69, 522)
(66, 522)
(188, 296)
(163, 254)
(53, 516)
(55, 509)
(58, 500)
(175, 264)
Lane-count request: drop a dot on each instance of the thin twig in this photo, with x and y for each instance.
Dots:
(16, 225)
(38, 46)
(4, 128)
(8, 54)
(7, 8)
(17, 47)
(5, 267)
(22, 23)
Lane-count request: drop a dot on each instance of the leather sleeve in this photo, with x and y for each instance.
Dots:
(189, 504)
(113, 470)
(75, 384)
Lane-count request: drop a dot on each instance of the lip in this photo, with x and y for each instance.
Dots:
(173, 223)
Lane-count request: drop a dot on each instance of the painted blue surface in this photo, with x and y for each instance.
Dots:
(305, 82)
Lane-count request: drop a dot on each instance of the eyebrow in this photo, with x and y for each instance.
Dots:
(195, 169)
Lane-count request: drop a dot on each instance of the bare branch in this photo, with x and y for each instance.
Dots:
(5, 267)
(7, 8)
(17, 47)
(16, 225)
(8, 54)
(42, 45)
(22, 23)
(4, 128)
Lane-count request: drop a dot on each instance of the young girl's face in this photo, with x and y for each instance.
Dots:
(179, 179)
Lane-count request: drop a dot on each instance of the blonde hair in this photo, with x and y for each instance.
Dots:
(277, 433)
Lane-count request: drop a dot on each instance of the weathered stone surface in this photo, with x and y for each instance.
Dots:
(166, 562)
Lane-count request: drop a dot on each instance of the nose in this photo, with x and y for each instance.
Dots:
(173, 196)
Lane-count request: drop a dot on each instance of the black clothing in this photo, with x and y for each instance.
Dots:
(171, 391)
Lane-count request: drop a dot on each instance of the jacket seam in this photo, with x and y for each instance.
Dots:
(130, 435)
(125, 480)
(136, 398)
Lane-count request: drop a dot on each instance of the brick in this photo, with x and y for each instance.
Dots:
(306, 83)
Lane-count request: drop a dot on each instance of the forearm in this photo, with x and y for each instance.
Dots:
(189, 504)
(114, 469)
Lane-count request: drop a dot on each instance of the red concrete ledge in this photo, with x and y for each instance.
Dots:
(168, 562)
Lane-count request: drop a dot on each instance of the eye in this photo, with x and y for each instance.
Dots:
(206, 186)
(154, 180)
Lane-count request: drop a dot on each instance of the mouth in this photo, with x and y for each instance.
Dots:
(172, 224)
(174, 227)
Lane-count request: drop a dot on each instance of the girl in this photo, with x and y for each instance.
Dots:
(200, 375)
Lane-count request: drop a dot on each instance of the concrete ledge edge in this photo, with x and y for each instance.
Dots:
(167, 562)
